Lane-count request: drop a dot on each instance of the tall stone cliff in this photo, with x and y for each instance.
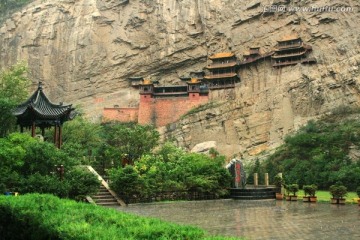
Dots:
(85, 50)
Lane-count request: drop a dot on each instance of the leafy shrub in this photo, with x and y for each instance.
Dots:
(338, 191)
(126, 182)
(38, 183)
(278, 181)
(81, 183)
(292, 188)
(358, 191)
(35, 216)
(171, 169)
(310, 190)
(318, 153)
(28, 165)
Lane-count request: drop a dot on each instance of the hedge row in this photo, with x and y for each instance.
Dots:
(42, 216)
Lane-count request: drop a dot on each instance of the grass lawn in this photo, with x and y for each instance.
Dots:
(324, 196)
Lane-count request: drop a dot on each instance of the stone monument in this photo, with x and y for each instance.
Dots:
(237, 171)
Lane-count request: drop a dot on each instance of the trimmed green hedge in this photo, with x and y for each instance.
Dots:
(37, 216)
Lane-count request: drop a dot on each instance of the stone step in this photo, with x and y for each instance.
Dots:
(108, 203)
(105, 200)
(102, 196)
(103, 192)
(252, 193)
(251, 197)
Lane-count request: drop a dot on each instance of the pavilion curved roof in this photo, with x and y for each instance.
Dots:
(222, 55)
(39, 108)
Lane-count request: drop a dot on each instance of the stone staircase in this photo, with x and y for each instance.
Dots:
(105, 196)
(253, 193)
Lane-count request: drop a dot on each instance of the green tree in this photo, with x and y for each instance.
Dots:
(81, 137)
(28, 165)
(129, 140)
(126, 182)
(319, 154)
(13, 90)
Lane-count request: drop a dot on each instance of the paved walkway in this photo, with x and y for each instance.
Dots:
(260, 219)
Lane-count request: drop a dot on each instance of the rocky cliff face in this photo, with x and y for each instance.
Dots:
(84, 51)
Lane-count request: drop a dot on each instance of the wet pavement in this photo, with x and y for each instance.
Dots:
(260, 219)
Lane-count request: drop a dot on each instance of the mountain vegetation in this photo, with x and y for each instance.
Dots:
(13, 90)
(323, 152)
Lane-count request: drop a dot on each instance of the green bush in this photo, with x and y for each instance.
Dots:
(278, 181)
(126, 182)
(338, 191)
(171, 169)
(318, 153)
(292, 189)
(28, 165)
(44, 184)
(81, 183)
(310, 190)
(38, 217)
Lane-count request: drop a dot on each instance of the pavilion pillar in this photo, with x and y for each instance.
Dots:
(56, 135)
(21, 129)
(33, 127)
(43, 131)
(60, 137)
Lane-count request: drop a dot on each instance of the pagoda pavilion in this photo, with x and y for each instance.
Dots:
(291, 51)
(39, 112)
(222, 71)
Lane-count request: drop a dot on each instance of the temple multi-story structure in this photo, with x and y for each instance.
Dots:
(291, 51)
(222, 72)
(161, 105)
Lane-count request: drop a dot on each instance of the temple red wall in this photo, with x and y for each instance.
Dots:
(120, 114)
(156, 111)
(162, 111)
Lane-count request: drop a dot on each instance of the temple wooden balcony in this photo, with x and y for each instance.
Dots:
(256, 58)
(309, 60)
(221, 65)
(170, 94)
(291, 45)
(221, 86)
(297, 54)
(219, 76)
(294, 62)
